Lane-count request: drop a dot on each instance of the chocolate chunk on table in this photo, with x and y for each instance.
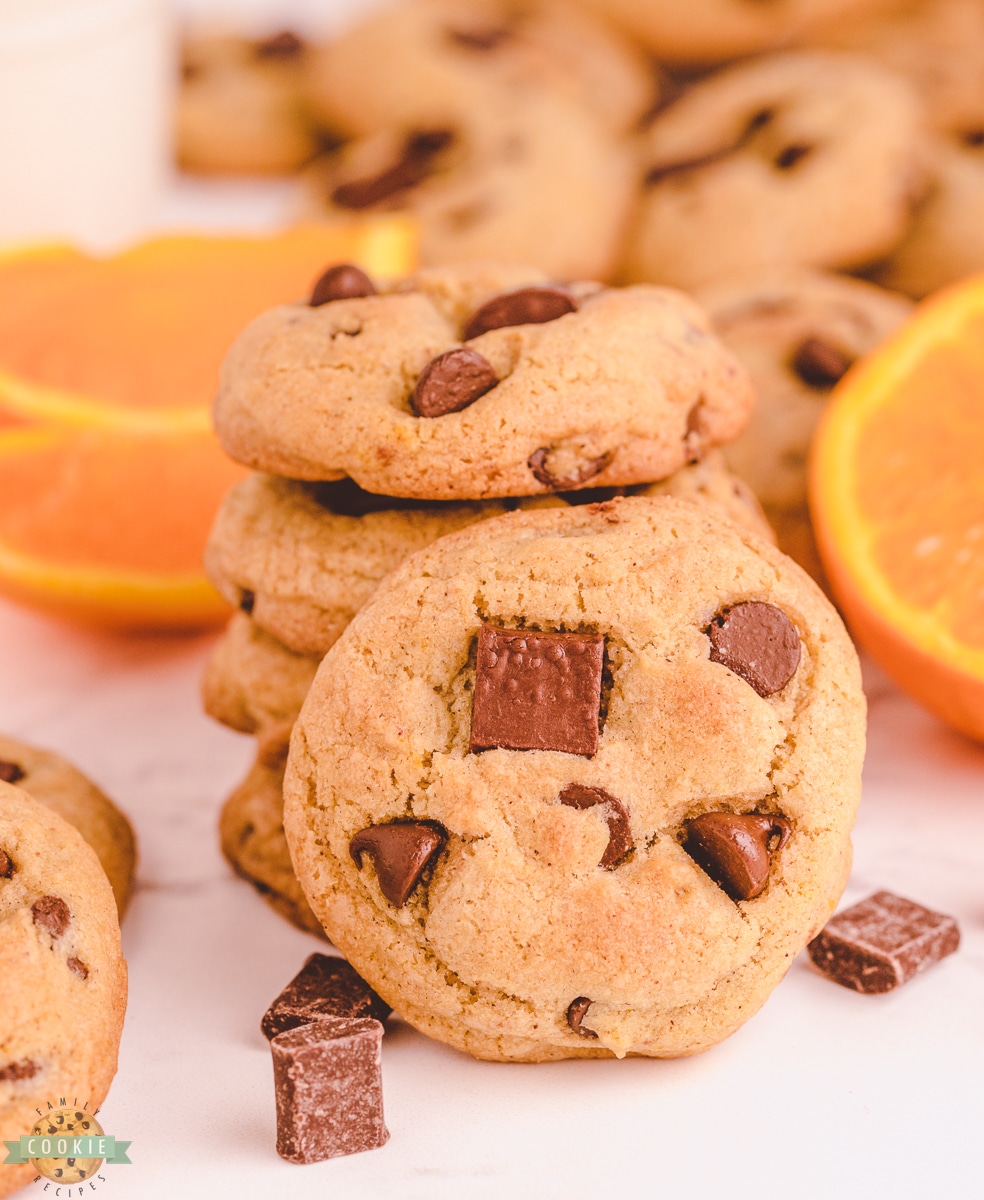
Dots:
(324, 987)
(882, 942)
(537, 691)
(329, 1089)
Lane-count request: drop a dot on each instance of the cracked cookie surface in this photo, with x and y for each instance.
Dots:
(546, 900)
(625, 387)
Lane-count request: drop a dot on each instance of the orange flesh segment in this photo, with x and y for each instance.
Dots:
(150, 328)
(98, 500)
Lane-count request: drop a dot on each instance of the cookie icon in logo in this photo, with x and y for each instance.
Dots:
(59, 1129)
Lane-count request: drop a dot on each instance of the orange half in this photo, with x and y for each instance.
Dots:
(897, 498)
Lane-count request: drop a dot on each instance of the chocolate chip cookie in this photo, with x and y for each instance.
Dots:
(65, 790)
(795, 160)
(251, 832)
(797, 333)
(239, 108)
(580, 781)
(63, 994)
(480, 382)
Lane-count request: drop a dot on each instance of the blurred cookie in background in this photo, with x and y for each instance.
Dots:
(798, 159)
(239, 109)
(798, 334)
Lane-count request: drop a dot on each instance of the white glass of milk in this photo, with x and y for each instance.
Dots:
(85, 104)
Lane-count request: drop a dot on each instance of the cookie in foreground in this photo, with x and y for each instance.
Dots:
(581, 781)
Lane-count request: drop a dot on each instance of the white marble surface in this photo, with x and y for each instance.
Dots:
(824, 1094)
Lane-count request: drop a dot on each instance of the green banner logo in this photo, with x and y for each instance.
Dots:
(34, 1145)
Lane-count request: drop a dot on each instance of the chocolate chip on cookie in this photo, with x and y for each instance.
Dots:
(524, 306)
(285, 44)
(736, 849)
(758, 642)
(401, 851)
(576, 795)
(819, 363)
(417, 161)
(52, 914)
(540, 464)
(16, 1071)
(344, 281)
(537, 691)
(11, 772)
(575, 1016)
(78, 967)
(480, 38)
(451, 382)
(7, 867)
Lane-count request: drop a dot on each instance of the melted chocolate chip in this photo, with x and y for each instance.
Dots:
(345, 498)
(451, 382)
(791, 156)
(588, 470)
(576, 795)
(285, 44)
(882, 942)
(246, 601)
(52, 914)
(16, 1071)
(413, 167)
(575, 1015)
(525, 306)
(78, 967)
(11, 772)
(736, 849)
(401, 851)
(343, 281)
(537, 691)
(758, 642)
(7, 867)
(481, 39)
(819, 364)
(973, 138)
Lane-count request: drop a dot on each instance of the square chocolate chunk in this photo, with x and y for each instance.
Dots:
(882, 942)
(537, 691)
(329, 1089)
(324, 987)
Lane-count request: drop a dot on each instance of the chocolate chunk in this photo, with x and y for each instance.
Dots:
(791, 156)
(451, 382)
(758, 642)
(736, 849)
(6, 865)
(343, 281)
(324, 987)
(401, 851)
(246, 601)
(16, 1071)
(481, 39)
(882, 942)
(329, 1089)
(537, 691)
(575, 1015)
(525, 306)
(78, 967)
(11, 772)
(414, 166)
(51, 913)
(588, 470)
(597, 495)
(819, 364)
(345, 498)
(576, 795)
(285, 44)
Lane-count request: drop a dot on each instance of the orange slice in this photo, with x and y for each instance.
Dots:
(109, 526)
(897, 497)
(137, 340)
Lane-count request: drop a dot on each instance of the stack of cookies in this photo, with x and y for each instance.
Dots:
(381, 417)
(577, 770)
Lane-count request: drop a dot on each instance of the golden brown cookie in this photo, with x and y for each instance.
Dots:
(580, 781)
(64, 789)
(797, 333)
(63, 993)
(479, 382)
(251, 830)
(802, 159)
(239, 107)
